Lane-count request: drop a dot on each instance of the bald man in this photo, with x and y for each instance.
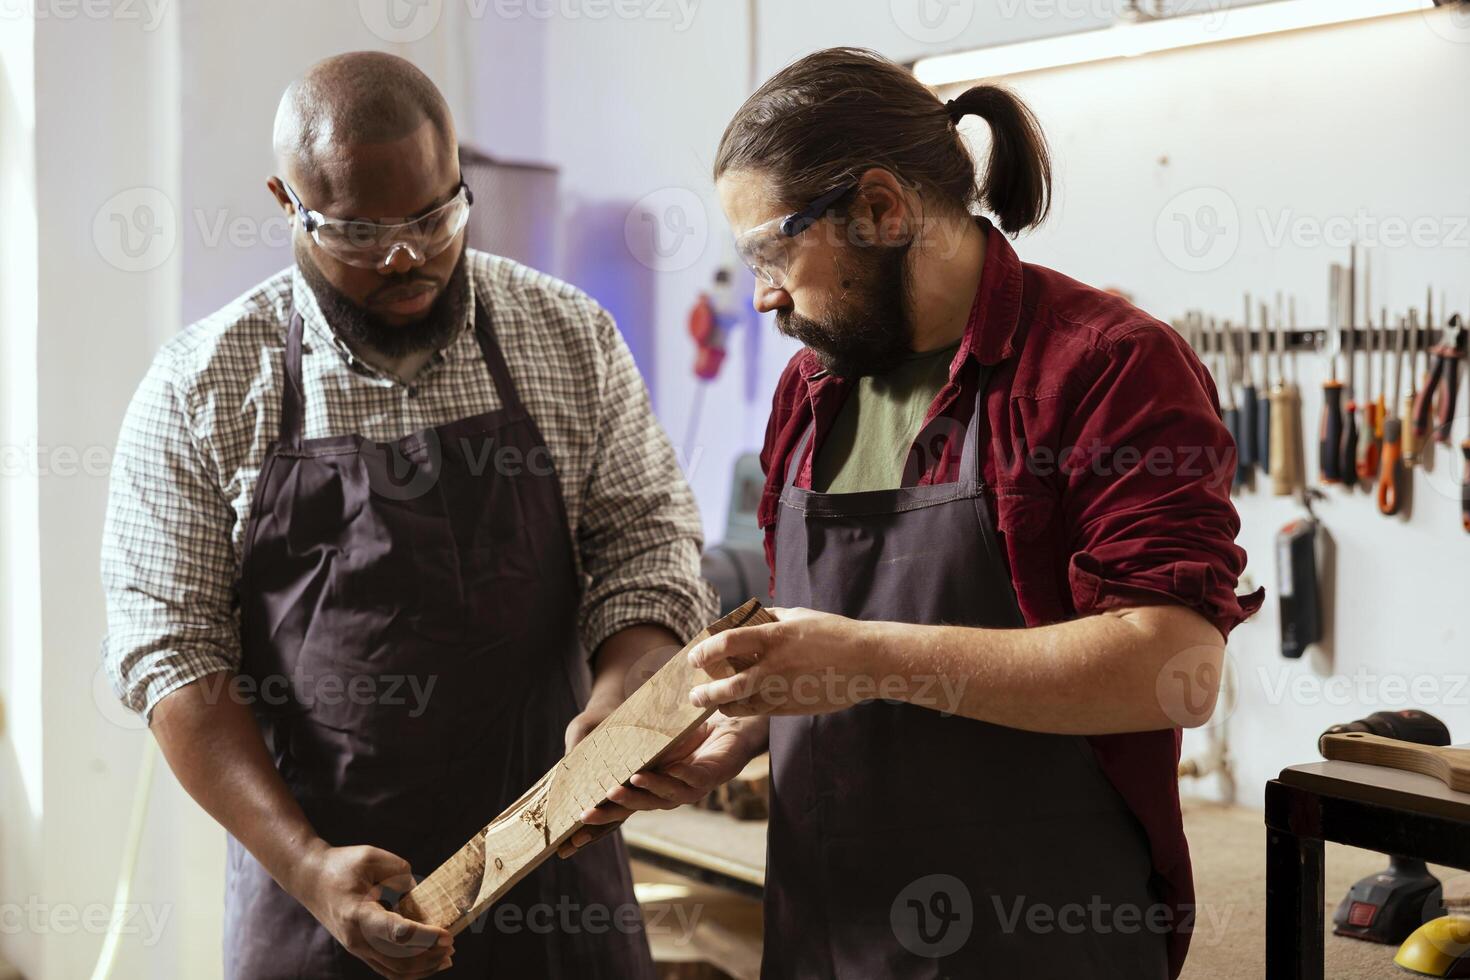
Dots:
(366, 525)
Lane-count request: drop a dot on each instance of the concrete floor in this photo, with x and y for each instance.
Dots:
(1228, 847)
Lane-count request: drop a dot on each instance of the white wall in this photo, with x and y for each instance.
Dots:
(1316, 132)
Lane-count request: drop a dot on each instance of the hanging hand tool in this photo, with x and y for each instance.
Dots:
(1263, 405)
(1406, 408)
(1330, 433)
(1348, 458)
(1465, 487)
(1369, 434)
(1445, 358)
(1391, 474)
(1231, 409)
(1248, 453)
(1285, 418)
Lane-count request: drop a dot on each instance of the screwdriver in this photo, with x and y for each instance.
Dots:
(1330, 433)
(1369, 437)
(1231, 410)
(1263, 405)
(1348, 465)
(1285, 417)
(1247, 443)
(1392, 465)
(1465, 487)
(1406, 409)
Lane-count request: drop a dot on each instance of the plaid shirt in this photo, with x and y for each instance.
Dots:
(195, 438)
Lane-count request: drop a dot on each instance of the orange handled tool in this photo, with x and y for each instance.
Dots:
(1392, 465)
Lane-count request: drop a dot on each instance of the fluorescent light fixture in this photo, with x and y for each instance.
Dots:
(1126, 40)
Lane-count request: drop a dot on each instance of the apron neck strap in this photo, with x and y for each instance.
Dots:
(793, 465)
(495, 360)
(293, 401)
(970, 455)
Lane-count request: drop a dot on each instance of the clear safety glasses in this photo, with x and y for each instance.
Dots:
(371, 245)
(767, 249)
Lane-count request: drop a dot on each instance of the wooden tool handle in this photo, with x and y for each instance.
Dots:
(1410, 440)
(1284, 457)
(1391, 471)
(1465, 487)
(654, 717)
(1450, 766)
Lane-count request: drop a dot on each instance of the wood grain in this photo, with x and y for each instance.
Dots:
(1449, 765)
(643, 728)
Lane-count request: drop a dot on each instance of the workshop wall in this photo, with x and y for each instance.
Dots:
(1296, 140)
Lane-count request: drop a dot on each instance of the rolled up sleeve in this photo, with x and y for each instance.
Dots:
(640, 535)
(167, 562)
(1147, 506)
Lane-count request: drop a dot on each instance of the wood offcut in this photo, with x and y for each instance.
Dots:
(634, 737)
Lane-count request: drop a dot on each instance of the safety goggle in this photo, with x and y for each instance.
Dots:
(767, 249)
(372, 245)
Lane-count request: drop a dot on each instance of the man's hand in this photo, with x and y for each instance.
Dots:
(805, 663)
(713, 754)
(343, 887)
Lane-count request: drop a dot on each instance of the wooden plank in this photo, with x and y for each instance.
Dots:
(705, 839)
(640, 730)
(1449, 765)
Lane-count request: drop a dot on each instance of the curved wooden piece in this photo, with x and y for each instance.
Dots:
(1449, 765)
(653, 718)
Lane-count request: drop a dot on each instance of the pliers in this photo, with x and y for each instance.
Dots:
(1444, 370)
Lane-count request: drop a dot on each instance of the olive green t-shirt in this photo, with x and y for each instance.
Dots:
(870, 439)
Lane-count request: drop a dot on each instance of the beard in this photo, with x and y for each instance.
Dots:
(362, 328)
(870, 331)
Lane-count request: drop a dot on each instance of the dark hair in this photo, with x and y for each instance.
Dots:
(833, 114)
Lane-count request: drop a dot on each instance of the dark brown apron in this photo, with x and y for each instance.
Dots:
(906, 842)
(372, 571)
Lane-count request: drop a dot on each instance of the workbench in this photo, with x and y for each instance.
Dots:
(1367, 806)
(705, 845)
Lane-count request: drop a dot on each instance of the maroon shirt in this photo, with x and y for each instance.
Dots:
(1108, 473)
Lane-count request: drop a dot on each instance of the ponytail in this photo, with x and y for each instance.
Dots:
(1017, 183)
(838, 112)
